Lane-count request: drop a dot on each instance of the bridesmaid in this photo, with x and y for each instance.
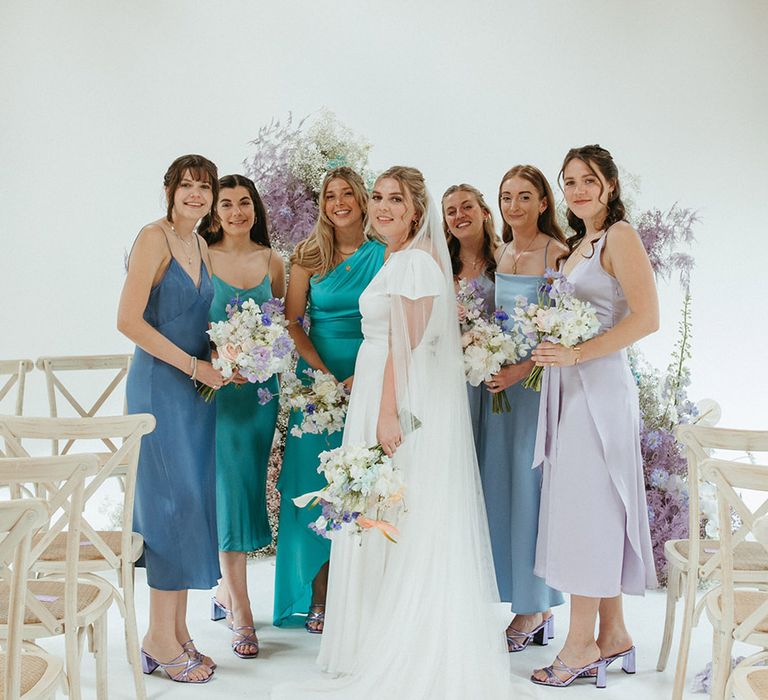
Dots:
(533, 241)
(589, 424)
(164, 310)
(244, 266)
(329, 271)
(472, 244)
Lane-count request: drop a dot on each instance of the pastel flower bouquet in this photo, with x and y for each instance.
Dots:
(557, 317)
(323, 402)
(253, 341)
(363, 485)
(469, 303)
(487, 348)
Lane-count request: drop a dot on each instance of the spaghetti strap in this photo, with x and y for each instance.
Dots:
(269, 261)
(546, 248)
(504, 249)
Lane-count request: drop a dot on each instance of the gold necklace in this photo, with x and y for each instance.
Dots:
(516, 258)
(475, 263)
(186, 243)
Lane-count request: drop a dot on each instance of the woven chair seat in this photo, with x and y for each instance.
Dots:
(44, 590)
(57, 550)
(33, 668)
(744, 604)
(748, 556)
(758, 681)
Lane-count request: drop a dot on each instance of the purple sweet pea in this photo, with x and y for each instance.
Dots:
(282, 346)
(272, 306)
(265, 396)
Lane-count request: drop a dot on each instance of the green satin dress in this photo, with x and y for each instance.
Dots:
(335, 332)
(244, 434)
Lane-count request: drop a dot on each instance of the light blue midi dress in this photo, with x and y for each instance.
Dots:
(505, 443)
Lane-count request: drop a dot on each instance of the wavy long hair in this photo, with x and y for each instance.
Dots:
(596, 158)
(317, 252)
(490, 241)
(210, 226)
(547, 221)
(412, 180)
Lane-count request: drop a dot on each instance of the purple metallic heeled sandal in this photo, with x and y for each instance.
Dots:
(149, 664)
(189, 647)
(316, 614)
(519, 641)
(242, 639)
(554, 681)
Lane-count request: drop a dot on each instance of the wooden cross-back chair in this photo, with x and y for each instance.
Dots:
(101, 550)
(62, 603)
(54, 367)
(698, 559)
(737, 611)
(13, 373)
(32, 675)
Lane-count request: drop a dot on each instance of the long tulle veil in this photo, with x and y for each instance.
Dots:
(435, 631)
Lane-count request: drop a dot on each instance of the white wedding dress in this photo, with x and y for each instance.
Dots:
(415, 620)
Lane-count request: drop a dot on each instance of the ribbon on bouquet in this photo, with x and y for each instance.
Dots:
(387, 529)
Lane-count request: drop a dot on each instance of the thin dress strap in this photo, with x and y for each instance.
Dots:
(546, 248)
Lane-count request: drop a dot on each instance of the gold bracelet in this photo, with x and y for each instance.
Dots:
(577, 350)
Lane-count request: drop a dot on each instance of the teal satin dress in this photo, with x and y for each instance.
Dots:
(244, 433)
(335, 332)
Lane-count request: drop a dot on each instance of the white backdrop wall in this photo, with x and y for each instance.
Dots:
(98, 97)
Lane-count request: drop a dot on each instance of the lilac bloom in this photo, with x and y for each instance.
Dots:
(265, 396)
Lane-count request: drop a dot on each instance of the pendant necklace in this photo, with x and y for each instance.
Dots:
(516, 258)
(344, 255)
(188, 244)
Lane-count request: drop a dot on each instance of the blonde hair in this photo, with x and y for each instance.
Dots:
(413, 181)
(317, 252)
(490, 240)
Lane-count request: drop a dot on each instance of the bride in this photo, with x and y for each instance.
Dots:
(413, 620)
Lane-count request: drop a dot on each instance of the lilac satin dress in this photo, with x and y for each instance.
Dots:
(594, 539)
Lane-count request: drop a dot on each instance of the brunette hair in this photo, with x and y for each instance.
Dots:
(490, 242)
(199, 168)
(210, 227)
(547, 221)
(317, 252)
(595, 156)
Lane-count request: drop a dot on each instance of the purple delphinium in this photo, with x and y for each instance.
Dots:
(500, 316)
(273, 306)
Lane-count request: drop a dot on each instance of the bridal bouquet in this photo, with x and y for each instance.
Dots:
(487, 347)
(469, 303)
(557, 316)
(363, 484)
(253, 340)
(323, 403)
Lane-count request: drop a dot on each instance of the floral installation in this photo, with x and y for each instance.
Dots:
(664, 401)
(322, 402)
(288, 166)
(253, 341)
(363, 484)
(557, 316)
(487, 347)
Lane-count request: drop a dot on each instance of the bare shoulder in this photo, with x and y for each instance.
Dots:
(203, 245)
(621, 233)
(277, 264)
(556, 251)
(151, 240)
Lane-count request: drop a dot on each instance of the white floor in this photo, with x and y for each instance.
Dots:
(290, 653)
